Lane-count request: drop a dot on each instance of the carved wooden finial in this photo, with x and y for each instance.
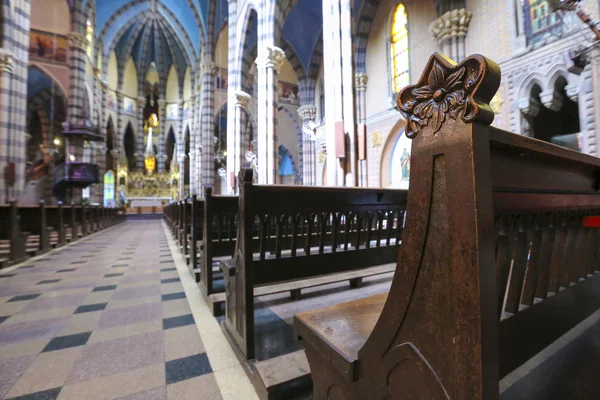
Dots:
(447, 89)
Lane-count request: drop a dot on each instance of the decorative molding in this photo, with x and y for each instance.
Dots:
(307, 113)
(241, 99)
(272, 57)
(77, 40)
(529, 107)
(208, 67)
(552, 100)
(7, 60)
(141, 101)
(449, 89)
(360, 81)
(452, 24)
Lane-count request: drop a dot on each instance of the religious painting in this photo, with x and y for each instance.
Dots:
(128, 106)
(287, 91)
(541, 21)
(172, 111)
(48, 47)
(111, 100)
(400, 163)
(221, 79)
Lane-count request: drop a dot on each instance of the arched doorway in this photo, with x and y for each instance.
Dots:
(170, 148)
(129, 145)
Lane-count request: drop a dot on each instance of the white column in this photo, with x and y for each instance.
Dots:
(339, 103)
(360, 86)
(308, 115)
(268, 66)
(235, 147)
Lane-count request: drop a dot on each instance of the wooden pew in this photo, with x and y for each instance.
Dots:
(218, 241)
(11, 236)
(496, 263)
(56, 220)
(34, 222)
(290, 249)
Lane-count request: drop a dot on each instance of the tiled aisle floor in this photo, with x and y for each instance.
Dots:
(105, 318)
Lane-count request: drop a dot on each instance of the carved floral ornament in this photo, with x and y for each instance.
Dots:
(447, 89)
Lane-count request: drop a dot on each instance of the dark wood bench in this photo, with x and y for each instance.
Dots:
(305, 236)
(12, 240)
(33, 221)
(495, 265)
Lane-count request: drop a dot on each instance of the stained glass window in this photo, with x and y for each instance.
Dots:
(399, 49)
(89, 35)
(109, 189)
(540, 20)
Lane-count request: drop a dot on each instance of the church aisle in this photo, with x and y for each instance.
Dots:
(105, 318)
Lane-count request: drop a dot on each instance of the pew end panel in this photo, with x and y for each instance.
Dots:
(496, 264)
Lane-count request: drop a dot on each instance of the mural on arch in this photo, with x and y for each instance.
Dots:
(48, 47)
(400, 163)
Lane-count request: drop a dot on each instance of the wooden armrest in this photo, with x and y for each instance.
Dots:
(342, 329)
(228, 267)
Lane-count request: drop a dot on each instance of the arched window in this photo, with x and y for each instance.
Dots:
(399, 49)
(89, 35)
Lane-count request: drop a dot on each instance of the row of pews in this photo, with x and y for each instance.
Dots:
(494, 250)
(27, 231)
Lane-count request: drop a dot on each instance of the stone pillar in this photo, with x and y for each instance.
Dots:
(181, 135)
(235, 147)
(360, 86)
(207, 122)
(268, 66)
(530, 108)
(339, 93)
(197, 110)
(140, 142)
(595, 63)
(308, 115)
(450, 31)
(162, 137)
(120, 128)
(8, 154)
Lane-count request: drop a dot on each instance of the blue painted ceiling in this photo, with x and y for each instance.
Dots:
(179, 17)
(303, 28)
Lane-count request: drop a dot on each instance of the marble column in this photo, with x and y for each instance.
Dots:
(450, 31)
(140, 142)
(339, 94)
(308, 116)
(181, 134)
(268, 65)
(235, 147)
(162, 136)
(120, 128)
(207, 129)
(360, 86)
(7, 153)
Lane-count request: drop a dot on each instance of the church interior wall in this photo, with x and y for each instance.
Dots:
(172, 86)
(491, 31)
(221, 50)
(51, 16)
(187, 85)
(112, 72)
(130, 80)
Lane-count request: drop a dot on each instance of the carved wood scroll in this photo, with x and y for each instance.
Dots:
(447, 89)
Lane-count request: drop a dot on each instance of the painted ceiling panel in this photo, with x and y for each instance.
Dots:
(303, 28)
(221, 14)
(105, 9)
(120, 22)
(176, 29)
(184, 13)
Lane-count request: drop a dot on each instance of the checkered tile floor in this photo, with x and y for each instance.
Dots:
(106, 318)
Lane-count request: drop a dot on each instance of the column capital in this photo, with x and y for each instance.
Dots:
(452, 24)
(180, 102)
(573, 92)
(529, 107)
(360, 81)
(77, 40)
(272, 57)
(7, 60)
(241, 99)
(307, 113)
(96, 72)
(162, 103)
(141, 100)
(104, 84)
(119, 95)
(551, 99)
(209, 67)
